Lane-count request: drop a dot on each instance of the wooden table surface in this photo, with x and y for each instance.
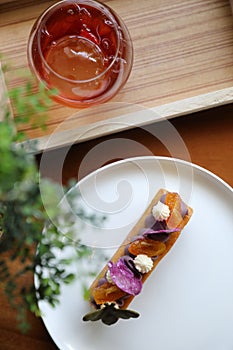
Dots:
(208, 138)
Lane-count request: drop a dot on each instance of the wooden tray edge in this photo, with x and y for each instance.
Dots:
(128, 121)
(137, 119)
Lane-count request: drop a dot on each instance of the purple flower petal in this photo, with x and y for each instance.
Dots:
(149, 221)
(152, 232)
(163, 198)
(161, 235)
(124, 278)
(159, 225)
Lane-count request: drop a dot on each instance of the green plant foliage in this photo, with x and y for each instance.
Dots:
(37, 252)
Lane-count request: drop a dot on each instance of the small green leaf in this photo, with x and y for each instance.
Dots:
(86, 293)
(69, 278)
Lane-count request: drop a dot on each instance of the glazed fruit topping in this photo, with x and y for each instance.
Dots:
(147, 246)
(107, 292)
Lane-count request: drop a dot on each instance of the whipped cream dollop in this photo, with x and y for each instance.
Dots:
(143, 263)
(160, 211)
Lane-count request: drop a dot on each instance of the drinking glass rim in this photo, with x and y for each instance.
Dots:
(110, 15)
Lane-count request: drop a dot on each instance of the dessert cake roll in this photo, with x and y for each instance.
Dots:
(146, 244)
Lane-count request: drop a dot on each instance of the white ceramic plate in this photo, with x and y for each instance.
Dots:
(188, 301)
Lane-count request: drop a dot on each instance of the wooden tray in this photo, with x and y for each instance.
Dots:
(183, 63)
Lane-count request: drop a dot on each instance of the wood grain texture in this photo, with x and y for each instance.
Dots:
(183, 63)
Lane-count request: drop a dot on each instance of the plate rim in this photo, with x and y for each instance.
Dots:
(160, 158)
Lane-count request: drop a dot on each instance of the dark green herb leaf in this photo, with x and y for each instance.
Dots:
(110, 314)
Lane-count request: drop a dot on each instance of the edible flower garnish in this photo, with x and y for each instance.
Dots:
(109, 313)
(150, 231)
(124, 278)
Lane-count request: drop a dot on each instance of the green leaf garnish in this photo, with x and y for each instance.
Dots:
(110, 314)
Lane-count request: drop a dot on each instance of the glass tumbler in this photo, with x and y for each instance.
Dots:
(83, 50)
